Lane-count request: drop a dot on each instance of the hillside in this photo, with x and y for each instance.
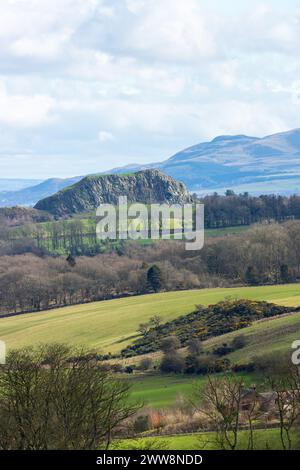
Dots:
(110, 326)
(270, 336)
(206, 322)
(264, 337)
(149, 186)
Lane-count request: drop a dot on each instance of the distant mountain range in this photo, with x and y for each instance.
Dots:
(242, 163)
(269, 164)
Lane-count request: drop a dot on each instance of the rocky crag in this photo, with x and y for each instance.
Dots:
(148, 186)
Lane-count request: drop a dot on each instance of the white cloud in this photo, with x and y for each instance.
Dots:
(156, 74)
(265, 28)
(44, 47)
(135, 6)
(237, 116)
(25, 111)
(225, 72)
(24, 17)
(173, 30)
(284, 33)
(41, 28)
(105, 136)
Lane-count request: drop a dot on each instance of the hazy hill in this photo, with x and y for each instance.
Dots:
(11, 184)
(30, 195)
(149, 186)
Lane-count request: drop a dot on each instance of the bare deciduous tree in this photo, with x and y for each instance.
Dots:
(57, 398)
(220, 401)
(284, 380)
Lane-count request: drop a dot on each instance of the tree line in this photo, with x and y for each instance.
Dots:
(78, 236)
(265, 254)
(243, 209)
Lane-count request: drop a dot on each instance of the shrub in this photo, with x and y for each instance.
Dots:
(239, 342)
(172, 363)
(170, 344)
(145, 364)
(221, 365)
(250, 367)
(223, 350)
(155, 278)
(205, 365)
(141, 424)
(194, 347)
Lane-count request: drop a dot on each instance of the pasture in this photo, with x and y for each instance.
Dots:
(264, 439)
(162, 391)
(109, 326)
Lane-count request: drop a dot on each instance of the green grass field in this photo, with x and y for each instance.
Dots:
(111, 325)
(264, 439)
(219, 232)
(162, 391)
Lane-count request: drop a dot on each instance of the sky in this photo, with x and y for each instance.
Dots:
(89, 85)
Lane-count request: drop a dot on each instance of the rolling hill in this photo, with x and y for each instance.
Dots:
(111, 325)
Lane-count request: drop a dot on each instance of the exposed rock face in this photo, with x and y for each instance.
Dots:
(149, 186)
